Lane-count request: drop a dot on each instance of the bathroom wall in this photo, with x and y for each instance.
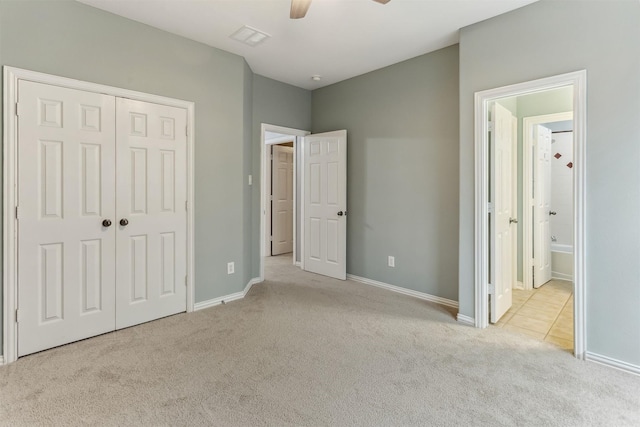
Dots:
(561, 224)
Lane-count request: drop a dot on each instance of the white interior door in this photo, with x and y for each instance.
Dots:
(151, 211)
(502, 220)
(282, 198)
(66, 257)
(325, 204)
(542, 195)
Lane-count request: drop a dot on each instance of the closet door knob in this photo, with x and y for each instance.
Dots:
(106, 223)
(553, 213)
(124, 222)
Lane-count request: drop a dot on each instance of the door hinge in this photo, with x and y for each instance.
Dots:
(186, 205)
(490, 207)
(17, 316)
(17, 109)
(271, 198)
(271, 238)
(492, 289)
(490, 126)
(16, 212)
(186, 130)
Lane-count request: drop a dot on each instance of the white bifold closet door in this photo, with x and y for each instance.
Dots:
(85, 164)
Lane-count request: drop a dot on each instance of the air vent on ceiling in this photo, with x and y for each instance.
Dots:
(250, 36)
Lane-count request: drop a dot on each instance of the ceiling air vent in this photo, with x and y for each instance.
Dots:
(250, 36)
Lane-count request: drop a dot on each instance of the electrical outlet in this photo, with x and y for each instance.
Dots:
(392, 261)
(231, 267)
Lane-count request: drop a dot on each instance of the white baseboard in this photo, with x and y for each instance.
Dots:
(466, 320)
(561, 276)
(1, 360)
(410, 292)
(298, 264)
(227, 298)
(519, 285)
(612, 363)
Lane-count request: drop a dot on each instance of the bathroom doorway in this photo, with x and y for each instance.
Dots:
(544, 199)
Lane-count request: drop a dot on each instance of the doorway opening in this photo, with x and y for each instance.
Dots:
(320, 198)
(280, 193)
(515, 208)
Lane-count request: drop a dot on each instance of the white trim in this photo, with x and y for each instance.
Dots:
(1, 360)
(561, 276)
(481, 237)
(518, 285)
(404, 291)
(297, 263)
(264, 127)
(527, 194)
(466, 320)
(227, 298)
(11, 77)
(612, 363)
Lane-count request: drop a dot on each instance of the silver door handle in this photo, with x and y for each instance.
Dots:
(513, 221)
(553, 213)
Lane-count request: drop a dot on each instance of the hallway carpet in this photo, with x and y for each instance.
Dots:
(302, 349)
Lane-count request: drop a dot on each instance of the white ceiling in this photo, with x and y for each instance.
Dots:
(338, 39)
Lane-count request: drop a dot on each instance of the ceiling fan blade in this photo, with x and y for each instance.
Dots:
(382, 1)
(299, 8)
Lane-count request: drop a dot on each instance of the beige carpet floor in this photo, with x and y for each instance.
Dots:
(302, 349)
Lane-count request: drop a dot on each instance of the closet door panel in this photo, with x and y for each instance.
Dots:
(151, 211)
(66, 189)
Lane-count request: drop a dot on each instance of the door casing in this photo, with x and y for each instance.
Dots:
(482, 100)
(12, 76)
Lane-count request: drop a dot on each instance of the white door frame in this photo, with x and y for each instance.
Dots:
(482, 100)
(527, 194)
(9, 203)
(264, 168)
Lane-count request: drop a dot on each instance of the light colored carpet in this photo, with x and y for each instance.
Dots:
(302, 349)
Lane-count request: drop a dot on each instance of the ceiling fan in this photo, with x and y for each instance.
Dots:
(299, 7)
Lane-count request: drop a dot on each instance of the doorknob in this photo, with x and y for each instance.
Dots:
(513, 221)
(553, 213)
(106, 223)
(124, 222)
(340, 213)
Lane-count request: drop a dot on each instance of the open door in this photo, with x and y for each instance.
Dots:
(542, 210)
(325, 204)
(282, 200)
(502, 218)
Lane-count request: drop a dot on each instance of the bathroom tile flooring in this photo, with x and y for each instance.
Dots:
(545, 313)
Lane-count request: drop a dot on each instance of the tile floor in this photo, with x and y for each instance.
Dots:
(545, 313)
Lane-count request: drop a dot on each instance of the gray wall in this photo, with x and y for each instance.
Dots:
(279, 104)
(402, 179)
(555, 37)
(73, 40)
